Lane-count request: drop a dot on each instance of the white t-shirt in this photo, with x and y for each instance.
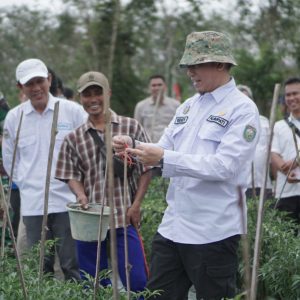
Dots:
(33, 150)
(261, 152)
(283, 144)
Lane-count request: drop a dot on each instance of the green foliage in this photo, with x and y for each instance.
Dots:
(50, 288)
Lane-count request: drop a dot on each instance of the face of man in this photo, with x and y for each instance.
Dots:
(92, 100)
(292, 97)
(205, 77)
(155, 85)
(37, 90)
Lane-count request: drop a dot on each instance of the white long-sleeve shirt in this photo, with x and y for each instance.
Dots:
(33, 150)
(209, 146)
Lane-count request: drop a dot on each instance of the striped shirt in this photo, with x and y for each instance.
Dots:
(80, 159)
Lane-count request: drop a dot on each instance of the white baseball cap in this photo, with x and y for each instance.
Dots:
(29, 69)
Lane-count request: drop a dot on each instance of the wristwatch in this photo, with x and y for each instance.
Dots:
(161, 163)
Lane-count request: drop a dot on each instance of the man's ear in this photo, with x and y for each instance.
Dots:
(19, 85)
(220, 66)
(49, 78)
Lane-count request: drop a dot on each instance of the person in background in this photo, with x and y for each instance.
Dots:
(206, 151)
(34, 80)
(69, 93)
(156, 112)
(256, 176)
(284, 153)
(82, 165)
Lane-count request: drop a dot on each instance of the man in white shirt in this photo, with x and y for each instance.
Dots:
(284, 152)
(32, 159)
(207, 151)
(156, 112)
(256, 176)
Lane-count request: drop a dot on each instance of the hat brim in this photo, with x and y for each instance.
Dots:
(90, 83)
(28, 77)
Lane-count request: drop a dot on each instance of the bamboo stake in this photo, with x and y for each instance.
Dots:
(96, 280)
(10, 185)
(258, 235)
(11, 231)
(127, 265)
(47, 187)
(109, 160)
(245, 245)
(253, 181)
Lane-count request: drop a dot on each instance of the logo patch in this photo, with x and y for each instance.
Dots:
(218, 120)
(64, 126)
(181, 120)
(249, 133)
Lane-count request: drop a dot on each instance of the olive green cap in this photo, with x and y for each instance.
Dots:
(92, 78)
(207, 46)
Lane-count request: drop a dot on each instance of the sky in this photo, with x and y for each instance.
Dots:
(56, 5)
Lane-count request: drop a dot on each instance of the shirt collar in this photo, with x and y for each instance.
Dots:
(114, 119)
(28, 108)
(221, 92)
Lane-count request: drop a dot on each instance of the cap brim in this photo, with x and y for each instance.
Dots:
(90, 83)
(25, 79)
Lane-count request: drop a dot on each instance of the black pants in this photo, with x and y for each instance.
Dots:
(211, 268)
(15, 205)
(58, 228)
(292, 206)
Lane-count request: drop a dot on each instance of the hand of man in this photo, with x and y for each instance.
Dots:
(134, 216)
(83, 201)
(287, 165)
(148, 155)
(293, 177)
(119, 143)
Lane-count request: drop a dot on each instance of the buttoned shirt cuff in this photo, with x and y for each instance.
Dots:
(170, 160)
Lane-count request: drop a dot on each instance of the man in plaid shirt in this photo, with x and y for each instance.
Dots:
(82, 165)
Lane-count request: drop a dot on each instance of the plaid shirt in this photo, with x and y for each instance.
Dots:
(80, 159)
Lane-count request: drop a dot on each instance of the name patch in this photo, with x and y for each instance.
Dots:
(218, 120)
(181, 120)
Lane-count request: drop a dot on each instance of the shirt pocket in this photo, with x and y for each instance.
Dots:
(26, 141)
(211, 133)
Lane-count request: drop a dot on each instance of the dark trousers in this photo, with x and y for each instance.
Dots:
(292, 206)
(58, 228)
(15, 205)
(87, 255)
(211, 268)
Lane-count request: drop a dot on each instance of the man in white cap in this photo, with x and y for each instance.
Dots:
(207, 151)
(32, 153)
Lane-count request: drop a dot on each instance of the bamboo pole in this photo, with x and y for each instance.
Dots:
(253, 181)
(11, 231)
(96, 280)
(258, 236)
(47, 188)
(109, 161)
(127, 265)
(245, 245)
(5, 216)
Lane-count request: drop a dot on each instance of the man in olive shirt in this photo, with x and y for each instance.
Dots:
(156, 112)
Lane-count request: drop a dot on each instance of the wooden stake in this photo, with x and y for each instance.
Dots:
(245, 245)
(47, 187)
(96, 280)
(5, 215)
(258, 235)
(127, 265)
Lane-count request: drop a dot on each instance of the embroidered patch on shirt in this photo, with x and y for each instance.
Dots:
(249, 133)
(218, 120)
(64, 126)
(5, 133)
(181, 120)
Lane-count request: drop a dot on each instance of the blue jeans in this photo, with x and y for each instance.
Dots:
(87, 255)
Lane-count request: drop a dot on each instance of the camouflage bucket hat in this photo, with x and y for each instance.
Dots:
(207, 46)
